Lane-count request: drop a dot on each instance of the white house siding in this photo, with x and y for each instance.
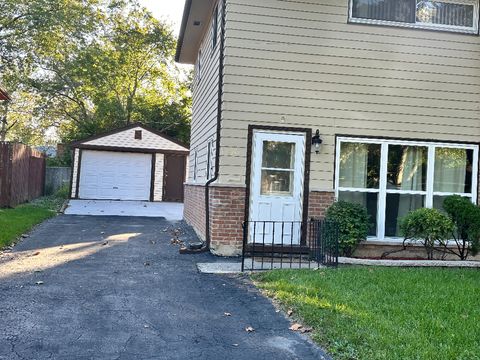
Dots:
(158, 186)
(126, 139)
(298, 63)
(205, 102)
(76, 154)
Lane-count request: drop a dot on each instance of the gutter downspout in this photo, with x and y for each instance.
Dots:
(219, 119)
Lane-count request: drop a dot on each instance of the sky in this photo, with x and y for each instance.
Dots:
(171, 10)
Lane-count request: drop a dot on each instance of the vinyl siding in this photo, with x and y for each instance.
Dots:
(300, 64)
(205, 102)
(158, 186)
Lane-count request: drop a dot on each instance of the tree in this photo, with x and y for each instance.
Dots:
(124, 74)
(90, 66)
(28, 30)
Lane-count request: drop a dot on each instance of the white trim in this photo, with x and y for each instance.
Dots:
(424, 26)
(382, 191)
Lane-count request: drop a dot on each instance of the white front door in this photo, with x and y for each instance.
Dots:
(276, 188)
(115, 175)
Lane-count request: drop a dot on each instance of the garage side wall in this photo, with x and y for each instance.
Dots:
(158, 185)
(76, 156)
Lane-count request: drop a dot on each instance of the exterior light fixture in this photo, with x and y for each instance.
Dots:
(316, 141)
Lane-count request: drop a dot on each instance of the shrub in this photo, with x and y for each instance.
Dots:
(466, 217)
(353, 225)
(429, 226)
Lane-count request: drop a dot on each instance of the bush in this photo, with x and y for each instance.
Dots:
(466, 217)
(429, 226)
(353, 224)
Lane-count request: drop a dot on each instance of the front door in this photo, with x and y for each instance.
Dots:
(276, 188)
(174, 177)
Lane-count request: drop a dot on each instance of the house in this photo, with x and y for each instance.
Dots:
(131, 163)
(297, 104)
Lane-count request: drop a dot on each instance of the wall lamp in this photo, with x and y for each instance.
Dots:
(316, 141)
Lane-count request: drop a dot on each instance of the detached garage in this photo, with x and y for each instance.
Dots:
(132, 163)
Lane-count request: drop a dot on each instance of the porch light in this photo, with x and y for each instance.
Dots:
(316, 141)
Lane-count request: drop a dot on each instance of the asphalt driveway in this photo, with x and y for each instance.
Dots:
(85, 287)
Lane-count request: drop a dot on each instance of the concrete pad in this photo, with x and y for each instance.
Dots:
(169, 211)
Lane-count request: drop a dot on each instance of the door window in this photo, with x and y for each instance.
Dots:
(278, 166)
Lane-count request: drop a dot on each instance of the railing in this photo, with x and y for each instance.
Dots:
(271, 245)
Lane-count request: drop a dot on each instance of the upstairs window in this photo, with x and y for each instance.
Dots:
(215, 28)
(198, 72)
(446, 15)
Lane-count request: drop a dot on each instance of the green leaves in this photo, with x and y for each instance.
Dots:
(95, 65)
(353, 222)
(428, 226)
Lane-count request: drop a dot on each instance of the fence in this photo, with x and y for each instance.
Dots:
(56, 177)
(22, 174)
(271, 245)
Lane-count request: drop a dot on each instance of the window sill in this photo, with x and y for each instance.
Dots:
(448, 29)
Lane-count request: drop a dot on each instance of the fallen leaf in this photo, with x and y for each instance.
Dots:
(295, 327)
(227, 314)
(289, 312)
(249, 329)
(39, 283)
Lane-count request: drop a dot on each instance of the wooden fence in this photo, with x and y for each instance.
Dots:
(22, 174)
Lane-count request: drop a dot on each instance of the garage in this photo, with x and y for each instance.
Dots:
(134, 163)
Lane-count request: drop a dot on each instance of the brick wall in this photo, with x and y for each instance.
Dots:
(227, 209)
(194, 208)
(318, 203)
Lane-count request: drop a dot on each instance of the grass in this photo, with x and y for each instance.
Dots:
(17, 221)
(384, 313)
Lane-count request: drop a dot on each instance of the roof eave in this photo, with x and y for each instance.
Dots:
(183, 27)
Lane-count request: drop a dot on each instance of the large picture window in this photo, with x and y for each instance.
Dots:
(391, 178)
(447, 15)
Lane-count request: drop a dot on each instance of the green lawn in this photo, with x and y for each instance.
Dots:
(384, 313)
(17, 221)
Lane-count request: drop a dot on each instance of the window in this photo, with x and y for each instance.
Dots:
(195, 165)
(391, 178)
(138, 134)
(215, 28)
(199, 66)
(447, 15)
(278, 167)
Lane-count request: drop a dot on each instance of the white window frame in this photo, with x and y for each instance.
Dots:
(425, 26)
(382, 190)
(210, 169)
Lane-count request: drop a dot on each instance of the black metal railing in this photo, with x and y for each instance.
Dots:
(271, 245)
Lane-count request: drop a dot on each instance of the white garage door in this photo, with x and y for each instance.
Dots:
(115, 175)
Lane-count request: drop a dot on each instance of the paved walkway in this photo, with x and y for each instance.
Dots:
(169, 211)
(87, 287)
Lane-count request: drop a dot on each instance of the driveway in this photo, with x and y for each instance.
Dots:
(169, 211)
(88, 287)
